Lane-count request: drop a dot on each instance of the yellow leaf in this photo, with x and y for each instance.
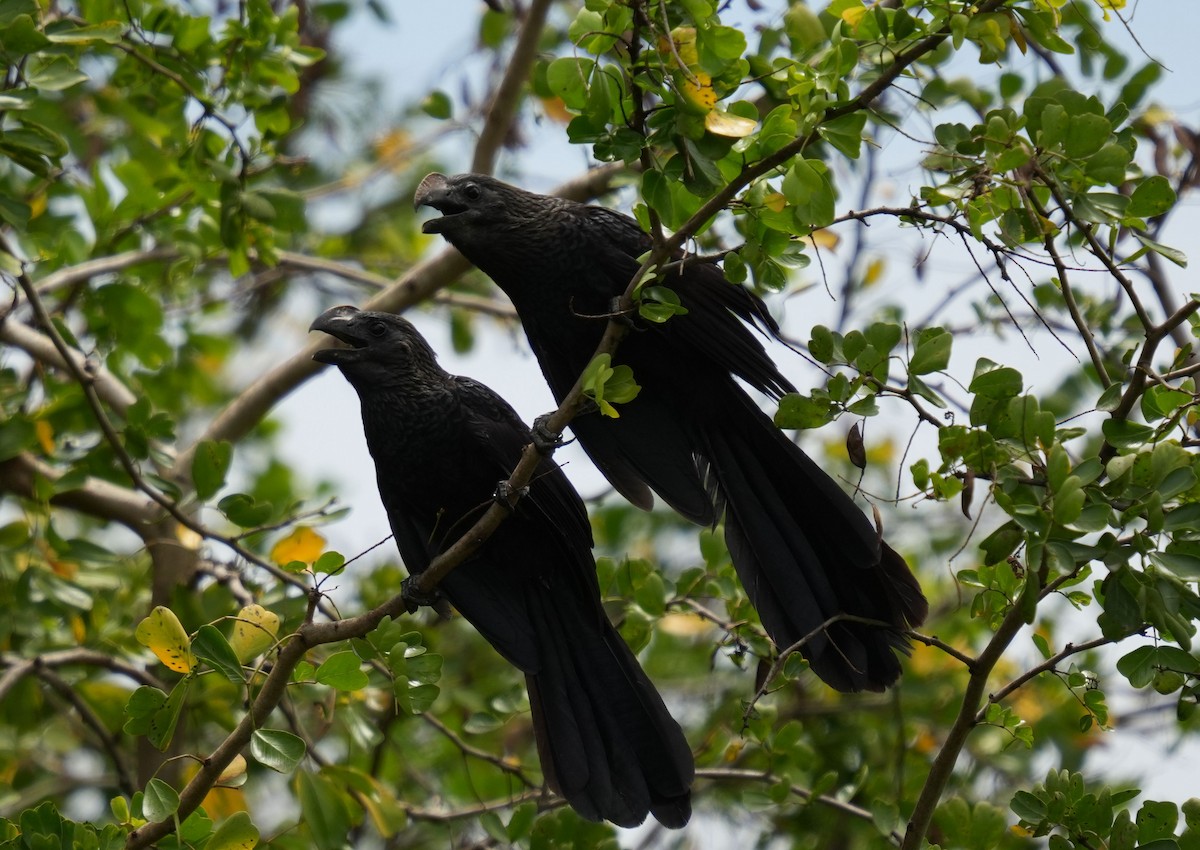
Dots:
(394, 147)
(234, 769)
(37, 205)
(684, 625)
(163, 634)
(190, 539)
(685, 46)
(254, 632)
(874, 271)
(825, 238)
(697, 92)
(303, 544)
(722, 123)
(45, 435)
(221, 802)
(854, 14)
(774, 201)
(556, 110)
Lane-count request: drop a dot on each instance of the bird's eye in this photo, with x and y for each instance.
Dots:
(472, 192)
(376, 328)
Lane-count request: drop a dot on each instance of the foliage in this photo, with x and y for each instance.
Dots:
(168, 176)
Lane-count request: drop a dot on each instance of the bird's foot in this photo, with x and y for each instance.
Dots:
(622, 313)
(414, 597)
(506, 496)
(543, 438)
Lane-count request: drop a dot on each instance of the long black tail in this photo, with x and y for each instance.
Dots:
(607, 743)
(805, 553)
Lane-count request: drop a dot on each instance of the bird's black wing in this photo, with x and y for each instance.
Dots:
(709, 328)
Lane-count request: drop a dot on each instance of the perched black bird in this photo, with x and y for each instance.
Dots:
(441, 444)
(802, 548)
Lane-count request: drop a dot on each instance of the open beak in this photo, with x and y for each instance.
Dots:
(339, 323)
(434, 191)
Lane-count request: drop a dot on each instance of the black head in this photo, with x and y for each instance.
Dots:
(381, 350)
(475, 203)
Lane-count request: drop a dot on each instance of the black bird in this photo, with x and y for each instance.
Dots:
(803, 550)
(441, 444)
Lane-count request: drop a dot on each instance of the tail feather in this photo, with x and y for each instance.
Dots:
(606, 740)
(806, 553)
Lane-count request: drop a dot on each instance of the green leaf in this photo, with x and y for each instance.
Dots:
(1153, 196)
(1173, 254)
(281, 751)
(801, 411)
(56, 75)
(424, 669)
(210, 464)
(342, 671)
(164, 721)
(1123, 434)
(846, 133)
(1156, 821)
(1027, 807)
(568, 78)
(1086, 135)
(244, 510)
(932, 352)
(21, 36)
(210, 646)
(1138, 666)
(159, 801)
(809, 192)
(437, 105)
(237, 832)
(324, 809)
(995, 381)
(106, 33)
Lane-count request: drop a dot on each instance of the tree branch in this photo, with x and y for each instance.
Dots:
(742, 775)
(503, 106)
(94, 497)
(1049, 664)
(943, 764)
(41, 347)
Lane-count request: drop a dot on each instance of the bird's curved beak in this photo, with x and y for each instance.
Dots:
(338, 322)
(434, 191)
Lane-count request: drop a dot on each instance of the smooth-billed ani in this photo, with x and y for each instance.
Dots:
(803, 550)
(441, 444)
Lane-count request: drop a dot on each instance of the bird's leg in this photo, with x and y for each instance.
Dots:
(620, 313)
(505, 496)
(414, 597)
(544, 439)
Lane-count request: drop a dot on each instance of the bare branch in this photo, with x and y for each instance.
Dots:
(956, 738)
(19, 667)
(1085, 333)
(1049, 664)
(474, 752)
(42, 348)
(89, 269)
(742, 775)
(504, 101)
(94, 497)
(125, 776)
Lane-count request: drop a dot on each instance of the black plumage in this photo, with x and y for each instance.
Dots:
(441, 444)
(803, 550)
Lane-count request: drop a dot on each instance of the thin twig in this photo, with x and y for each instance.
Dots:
(507, 95)
(1049, 664)
(474, 752)
(742, 775)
